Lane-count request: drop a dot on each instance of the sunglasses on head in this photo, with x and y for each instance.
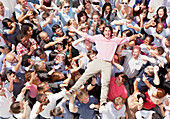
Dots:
(125, 3)
(66, 6)
(95, 3)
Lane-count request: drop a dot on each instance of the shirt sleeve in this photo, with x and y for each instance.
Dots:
(122, 40)
(93, 38)
(149, 30)
(35, 108)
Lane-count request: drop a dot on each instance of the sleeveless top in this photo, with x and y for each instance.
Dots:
(120, 14)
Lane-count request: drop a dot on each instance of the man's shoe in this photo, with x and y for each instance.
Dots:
(102, 108)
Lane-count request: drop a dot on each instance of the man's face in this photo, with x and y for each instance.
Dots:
(119, 80)
(59, 32)
(66, 7)
(12, 59)
(88, 44)
(159, 28)
(84, 99)
(128, 21)
(135, 53)
(2, 9)
(23, 3)
(24, 41)
(12, 76)
(107, 32)
(44, 99)
(45, 37)
(148, 70)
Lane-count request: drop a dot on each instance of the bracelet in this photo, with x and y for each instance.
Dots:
(93, 84)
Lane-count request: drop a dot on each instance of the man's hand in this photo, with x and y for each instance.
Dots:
(19, 58)
(92, 106)
(40, 108)
(156, 69)
(144, 78)
(72, 29)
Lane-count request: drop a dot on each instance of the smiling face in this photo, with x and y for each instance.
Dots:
(66, 7)
(84, 99)
(135, 53)
(2, 9)
(30, 31)
(23, 3)
(161, 13)
(107, 32)
(125, 3)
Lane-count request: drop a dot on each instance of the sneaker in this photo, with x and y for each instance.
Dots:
(102, 108)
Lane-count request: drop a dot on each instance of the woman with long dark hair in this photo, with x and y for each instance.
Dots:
(11, 30)
(161, 16)
(107, 12)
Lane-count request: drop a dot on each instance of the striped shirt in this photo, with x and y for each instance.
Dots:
(131, 66)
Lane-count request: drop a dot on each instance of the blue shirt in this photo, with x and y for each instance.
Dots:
(84, 109)
(48, 27)
(18, 9)
(66, 17)
(124, 27)
(142, 87)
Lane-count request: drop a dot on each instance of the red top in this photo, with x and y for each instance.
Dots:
(148, 104)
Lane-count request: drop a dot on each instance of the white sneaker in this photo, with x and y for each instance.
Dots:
(102, 109)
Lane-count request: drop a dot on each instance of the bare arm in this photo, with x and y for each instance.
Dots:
(76, 42)
(156, 80)
(72, 107)
(13, 28)
(16, 68)
(146, 82)
(77, 31)
(118, 5)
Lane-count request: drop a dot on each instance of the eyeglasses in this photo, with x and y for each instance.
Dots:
(66, 6)
(125, 3)
(95, 3)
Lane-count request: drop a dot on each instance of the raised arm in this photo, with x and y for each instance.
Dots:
(136, 85)
(146, 81)
(76, 42)
(118, 5)
(72, 107)
(156, 80)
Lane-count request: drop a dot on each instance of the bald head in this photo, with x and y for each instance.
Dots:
(44, 36)
(159, 28)
(11, 58)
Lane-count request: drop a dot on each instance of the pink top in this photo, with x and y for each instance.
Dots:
(116, 91)
(106, 47)
(32, 89)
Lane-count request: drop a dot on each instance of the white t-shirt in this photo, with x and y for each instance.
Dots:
(112, 113)
(2, 42)
(5, 103)
(144, 113)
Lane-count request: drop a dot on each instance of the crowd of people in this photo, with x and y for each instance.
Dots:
(84, 59)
